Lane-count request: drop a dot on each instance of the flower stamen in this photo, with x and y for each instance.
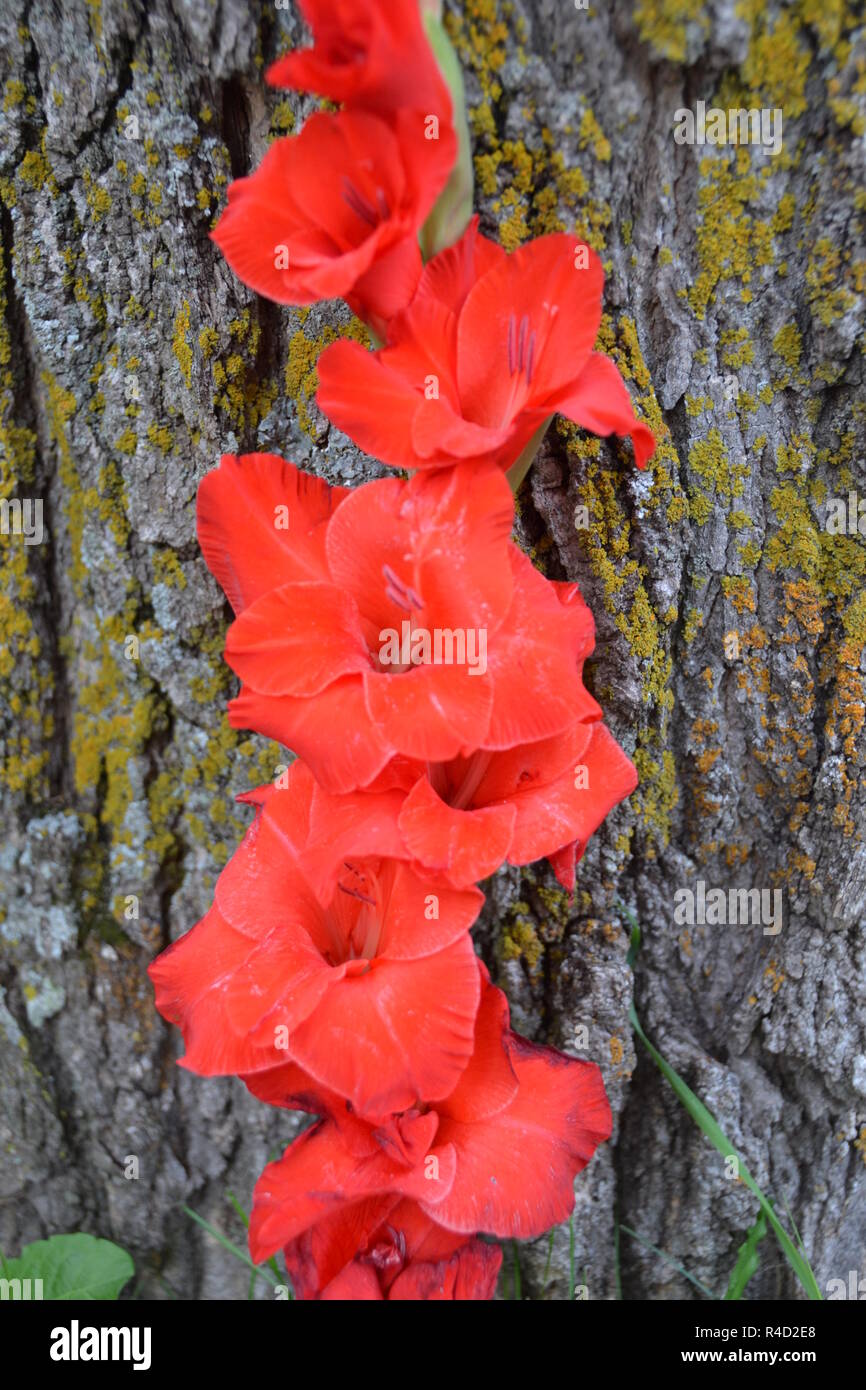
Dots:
(360, 205)
(400, 593)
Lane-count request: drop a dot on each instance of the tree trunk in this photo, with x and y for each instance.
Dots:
(731, 620)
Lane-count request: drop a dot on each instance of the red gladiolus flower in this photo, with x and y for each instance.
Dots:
(335, 212)
(491, 347)
(324, 948)
(499, 1155)
(418, 628)
(371, 54)
(408, 1257)
(534, 801)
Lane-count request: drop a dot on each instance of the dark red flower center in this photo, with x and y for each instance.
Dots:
(370, 210)
(344, 51)
(388, 1255)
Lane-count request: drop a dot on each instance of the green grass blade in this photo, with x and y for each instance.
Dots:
(232, 1248)
(238, 1208)
(710, 1127)
(747, 1259)
(712, 1130)
(800, 1246)
(246, 1220)
(708, 1293)
(272, 1262)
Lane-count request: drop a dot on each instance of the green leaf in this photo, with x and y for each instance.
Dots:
(747, 1258)
(73, 1266)
(634, 938)
(453, 208)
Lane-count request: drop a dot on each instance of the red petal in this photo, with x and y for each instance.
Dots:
(374, 396)
(581, 624)
(516, 773)
(280, 983)
(238, 513)
(537, 687)
(515, 1171)
(442, 436)
(388, 286)
(290, 1088)
(468, 845)
(361, 551)
(191, 980)
(423, 915)
(489, 1083)
(294, 203)
(598, 401)
(331, 1259)
(444, 536)
(318, 1175)
(452, 274)
(424, 1239)
(462, 521)
(430, 712)
(356, 1283)
(400, 1033)
(576, 812)
(370, 401)
(352, 825)
(427, 163)
(538, 285)
(480, 1264)
(538, 780)
(389, 63)
(308, 727)
(321, 1253)
(469, 1274)
(297, 639)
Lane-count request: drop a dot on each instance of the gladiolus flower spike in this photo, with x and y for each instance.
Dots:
(427, 680)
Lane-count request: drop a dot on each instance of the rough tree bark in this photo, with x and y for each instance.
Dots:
(731, 622)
